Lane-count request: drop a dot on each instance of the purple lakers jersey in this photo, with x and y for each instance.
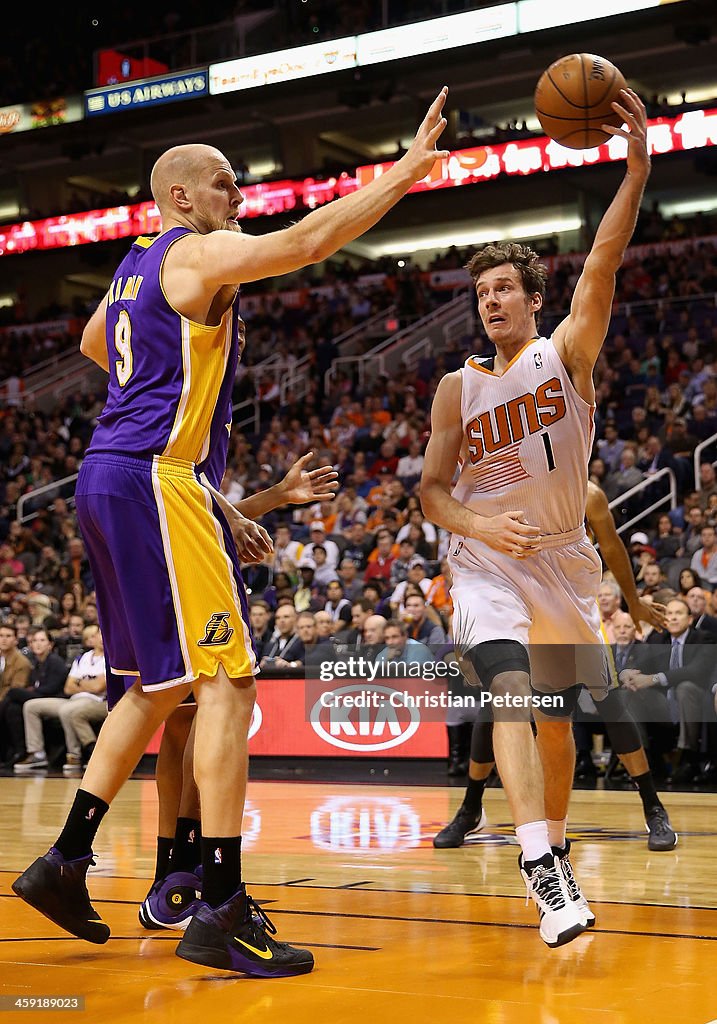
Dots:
(171, 379)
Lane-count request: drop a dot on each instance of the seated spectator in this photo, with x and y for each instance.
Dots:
(438, 595)
(261, 626)
(410, 466)
(690, 539)
(420, 627)
(373, 630)
(338, 606)
(81, 708)
(399, 568)
(307, 596)
(317, 534)
(675, 669)
(360, 545)
(402, 648)
(323, 572)
(417, 577)
(610, 446)
(68, 641)
(286, 650)
(325, 626)
(708, 484)
(416, 519)
(382, 558)
(609, 598)
(704, 560)
(349, 578)
(47, 679)
(308, 633)
(701, 618)
(285, 549)
(650, 579)
(667, 542)
(352, 636)
(280, 584)
(626, 475)
(15, 671)
(379, 598)
(688, 579)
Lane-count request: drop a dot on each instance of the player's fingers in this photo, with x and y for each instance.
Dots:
(304, 459)
(627, 115)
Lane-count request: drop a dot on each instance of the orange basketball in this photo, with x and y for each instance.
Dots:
(573, 99)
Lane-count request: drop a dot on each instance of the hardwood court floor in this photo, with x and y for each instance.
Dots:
(400, 931)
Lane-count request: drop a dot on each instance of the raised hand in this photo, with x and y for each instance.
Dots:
(422, 154)
(301, 485)
(632, 110)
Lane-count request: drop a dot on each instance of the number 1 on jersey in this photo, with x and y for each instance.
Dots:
(548, 451)
(123, 344)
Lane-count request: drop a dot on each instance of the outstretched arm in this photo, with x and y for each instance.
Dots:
(618, 561)
(298, 487)
(230, 257)
(579, 337)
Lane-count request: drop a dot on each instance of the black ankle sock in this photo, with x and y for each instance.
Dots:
(473, 800)
(221, 864)
(81, 826)
(164, 852)
(648, 794)
(187, 850)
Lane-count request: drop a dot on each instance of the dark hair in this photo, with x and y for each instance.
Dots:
(9, 625)
(526, 261)
(696, 579)
(398, 624)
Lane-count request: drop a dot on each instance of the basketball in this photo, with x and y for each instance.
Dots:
(573, 100)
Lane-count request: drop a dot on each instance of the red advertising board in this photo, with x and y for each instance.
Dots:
(291, 719)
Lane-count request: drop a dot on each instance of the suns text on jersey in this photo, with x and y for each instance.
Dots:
(510, 422)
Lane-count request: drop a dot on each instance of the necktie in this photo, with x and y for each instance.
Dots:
(676, 654)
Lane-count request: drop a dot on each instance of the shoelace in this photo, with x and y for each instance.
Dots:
(659, 823)
(570, 880)
(544, 882)
(259, 917)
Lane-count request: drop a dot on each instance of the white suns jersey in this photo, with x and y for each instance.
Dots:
(527, 438)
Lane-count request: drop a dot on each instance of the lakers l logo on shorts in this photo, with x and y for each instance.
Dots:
(217, 631)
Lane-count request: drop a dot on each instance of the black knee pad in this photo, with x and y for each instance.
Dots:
(482, 740)
(621, 727)
(482, 663)
(555, 707)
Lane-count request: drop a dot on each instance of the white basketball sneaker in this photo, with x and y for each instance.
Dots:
(560, 919)
(574, 891)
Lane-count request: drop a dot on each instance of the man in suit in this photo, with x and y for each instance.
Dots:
(15, 668)
(261, 627)
(677, 667)
(286, 650)
(698, 606)
(626, 648)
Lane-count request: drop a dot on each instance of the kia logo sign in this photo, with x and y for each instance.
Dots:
(364, 822)
(256, 719)
(364, 728)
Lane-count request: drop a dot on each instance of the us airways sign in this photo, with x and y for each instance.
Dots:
(148, 92)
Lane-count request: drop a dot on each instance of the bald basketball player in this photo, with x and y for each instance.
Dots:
(167, 331)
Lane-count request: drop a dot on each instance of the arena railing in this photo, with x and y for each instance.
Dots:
(46, 496)
(433, 331)
(708, 441)
(670, 497)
